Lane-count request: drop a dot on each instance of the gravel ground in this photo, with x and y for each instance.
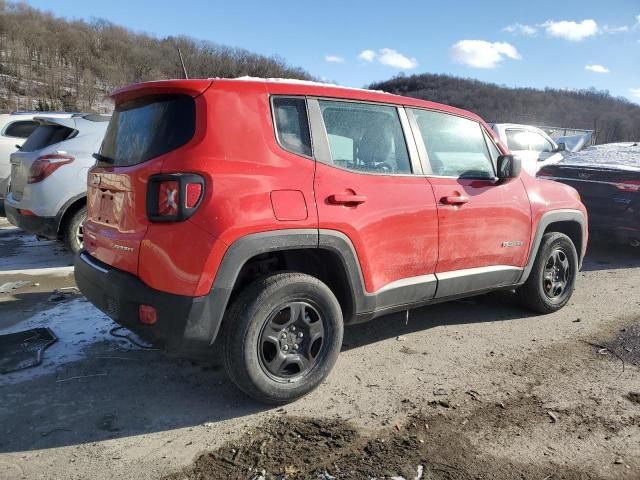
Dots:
(471, 389)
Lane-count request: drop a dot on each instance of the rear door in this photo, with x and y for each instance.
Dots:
(484, 225)
(367, 187)
(141, 132)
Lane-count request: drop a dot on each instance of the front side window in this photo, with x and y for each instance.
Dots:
(517, 140)
(455, 146)
(538, 143)
(20, 129)
(365, 137)
(493, 150)
(292, 125)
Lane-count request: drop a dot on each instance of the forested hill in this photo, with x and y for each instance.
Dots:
(614, 119)
(49, 63)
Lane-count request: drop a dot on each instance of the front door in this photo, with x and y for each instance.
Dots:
(367, 188)
(484, 225)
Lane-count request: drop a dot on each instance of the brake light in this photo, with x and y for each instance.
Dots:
(629, 186)
(45, 165)
(174, 197)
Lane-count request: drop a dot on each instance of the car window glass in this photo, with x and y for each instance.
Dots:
(517, 140)
(455, 146)
(493, 150)
(46, 135)
(538, 143)
(292, 125)
(147, 127)
(20, 129)
(365, 137)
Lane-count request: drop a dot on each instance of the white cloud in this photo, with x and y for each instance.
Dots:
(367, 55)
(635, 92)
(333, 59)
(596, 68)
(389, 57)
(569, 30)
(482, 54)
(519, 28)
(610, 29)
(637, 25)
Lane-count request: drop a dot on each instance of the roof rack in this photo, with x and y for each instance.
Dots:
(37, 112)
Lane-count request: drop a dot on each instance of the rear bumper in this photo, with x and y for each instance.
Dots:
(43, 226)
(186, 326)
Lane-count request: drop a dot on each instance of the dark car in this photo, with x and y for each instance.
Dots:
(608, 180)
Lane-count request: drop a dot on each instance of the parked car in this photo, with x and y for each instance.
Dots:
(14, 130)
(532, 145)
(269, 214)
(608, 180)
(48, 190)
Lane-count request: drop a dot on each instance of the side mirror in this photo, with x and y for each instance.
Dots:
(509, 167)
(561, 147)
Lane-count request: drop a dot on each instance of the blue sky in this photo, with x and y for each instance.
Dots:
(566, 44)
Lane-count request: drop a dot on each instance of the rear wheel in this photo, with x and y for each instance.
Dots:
(72, 234)
(282, 337)
(553, 276)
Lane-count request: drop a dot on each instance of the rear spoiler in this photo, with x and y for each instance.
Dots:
(193, 88)
(64, 122)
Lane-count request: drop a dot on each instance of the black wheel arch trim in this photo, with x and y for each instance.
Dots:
(60, 216)
(548, 218)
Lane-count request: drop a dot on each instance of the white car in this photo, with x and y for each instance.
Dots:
(48, 187)
(532, 145)
(14, 130)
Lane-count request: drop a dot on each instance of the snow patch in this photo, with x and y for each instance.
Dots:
(29, 256)
(623, 155)
(295, 81)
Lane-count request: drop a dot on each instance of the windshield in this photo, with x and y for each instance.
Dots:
(147, 127)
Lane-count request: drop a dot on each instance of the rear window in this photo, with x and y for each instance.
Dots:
(46, 135)
(21, 129)
(147, 127)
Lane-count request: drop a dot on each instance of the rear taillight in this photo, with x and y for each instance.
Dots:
(629, 186)
(45, 165)
(174, 197)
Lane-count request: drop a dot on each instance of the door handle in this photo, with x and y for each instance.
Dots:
(454, 200)
(347, 199)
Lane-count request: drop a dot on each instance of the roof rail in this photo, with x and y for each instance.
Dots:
(38, 112)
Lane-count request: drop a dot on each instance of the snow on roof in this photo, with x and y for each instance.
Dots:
(625, 155)
(295, 81)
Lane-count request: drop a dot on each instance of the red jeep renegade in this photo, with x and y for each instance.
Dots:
(269, 214)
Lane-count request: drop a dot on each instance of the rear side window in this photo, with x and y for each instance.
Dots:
(148, 127)
(365, 137)
(455, 146)
(20, 129)
(46, 135)
(292, 125)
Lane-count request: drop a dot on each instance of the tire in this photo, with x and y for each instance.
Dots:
(258, 328)
(547, 290)
(72, 232)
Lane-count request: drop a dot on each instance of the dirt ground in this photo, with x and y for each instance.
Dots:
(476, 389)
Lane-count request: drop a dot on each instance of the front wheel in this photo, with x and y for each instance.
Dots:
(282, 337)
(553, 276)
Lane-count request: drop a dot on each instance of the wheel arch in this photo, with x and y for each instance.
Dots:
(70, 207)
(326, 255)
(569, 222)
